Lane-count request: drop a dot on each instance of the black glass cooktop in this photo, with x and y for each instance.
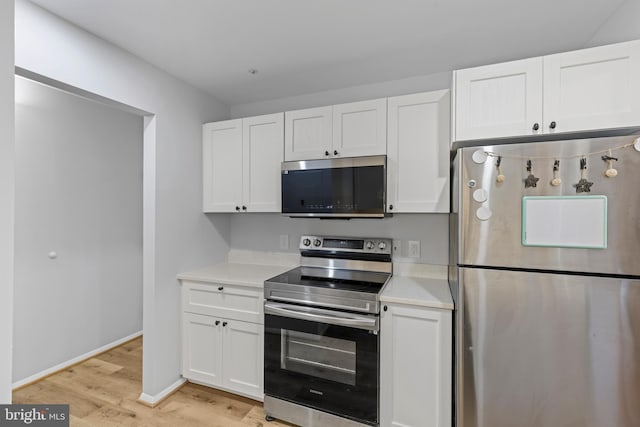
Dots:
(347, 280)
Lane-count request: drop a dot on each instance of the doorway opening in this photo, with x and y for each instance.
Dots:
(82, 200)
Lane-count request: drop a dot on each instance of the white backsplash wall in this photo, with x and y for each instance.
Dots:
(262, 232)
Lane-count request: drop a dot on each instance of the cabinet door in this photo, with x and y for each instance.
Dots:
(415, 367)
(222, 166)
(360, 128)
(201, 349)
(307, 134)
(418, 153)
(263, 148)
(594, 88)
(498, 100)
(243, 358)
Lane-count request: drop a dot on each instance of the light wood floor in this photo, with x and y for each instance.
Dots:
(102, 391)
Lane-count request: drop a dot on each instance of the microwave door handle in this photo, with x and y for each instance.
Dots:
(352, 322)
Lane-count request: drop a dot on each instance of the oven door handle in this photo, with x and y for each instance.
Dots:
(369, 323)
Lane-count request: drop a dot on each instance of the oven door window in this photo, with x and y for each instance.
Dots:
(326, 367)
(318, 356)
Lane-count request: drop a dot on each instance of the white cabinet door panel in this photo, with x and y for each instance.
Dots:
(222, 166)
(308, 133)
(418, 153)
(360, 128)
(201, 349)
(499, 100)
(415, 367)
(243, 358)
(263, 152)
(594, 88)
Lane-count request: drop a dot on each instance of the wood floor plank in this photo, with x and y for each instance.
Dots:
(101, 366)
(47, 392)
(102, 392)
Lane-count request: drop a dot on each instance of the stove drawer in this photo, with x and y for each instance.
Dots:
(228, 301)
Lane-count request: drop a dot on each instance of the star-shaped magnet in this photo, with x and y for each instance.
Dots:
(583, 186)
(531, 181)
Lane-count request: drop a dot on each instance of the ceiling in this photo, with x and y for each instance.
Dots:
(306, 46)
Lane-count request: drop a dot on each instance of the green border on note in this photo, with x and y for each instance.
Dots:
(524, 221)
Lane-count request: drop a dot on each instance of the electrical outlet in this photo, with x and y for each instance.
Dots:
(414, 249)
(284, 241)
(397, 247)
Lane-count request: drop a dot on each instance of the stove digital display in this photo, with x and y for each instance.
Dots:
(343, 244)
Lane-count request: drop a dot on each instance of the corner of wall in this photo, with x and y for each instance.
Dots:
(7, 195)
(621, 26)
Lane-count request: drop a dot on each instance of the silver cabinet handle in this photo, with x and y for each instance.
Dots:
(369, 323)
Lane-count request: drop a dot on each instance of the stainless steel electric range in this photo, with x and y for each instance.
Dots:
(321, 340)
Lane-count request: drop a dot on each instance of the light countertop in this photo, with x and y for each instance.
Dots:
(419, 291)
(235, 274)
(419, 285)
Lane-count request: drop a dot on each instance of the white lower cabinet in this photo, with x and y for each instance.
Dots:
(242, 359)
(220, 348)
(415, 366)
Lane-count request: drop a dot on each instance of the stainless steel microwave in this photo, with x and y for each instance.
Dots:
(349, 187)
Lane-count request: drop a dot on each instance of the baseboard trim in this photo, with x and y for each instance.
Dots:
(152, 401)
(72, 362)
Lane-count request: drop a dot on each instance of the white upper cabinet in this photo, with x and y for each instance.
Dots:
(418, 152)
(590, 89)
(262, 139)
(596, 88)
(360, 128)
(345, 130)
(498, 100)
(308, 133)
(241, 168)
(222, 166)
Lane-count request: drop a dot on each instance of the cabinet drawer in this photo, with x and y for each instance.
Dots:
(229, 301)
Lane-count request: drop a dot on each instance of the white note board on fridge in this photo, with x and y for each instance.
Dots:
(565, 221)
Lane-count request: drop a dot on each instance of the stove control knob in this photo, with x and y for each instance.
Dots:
(317, 242)
(370, 245)
(382, 246)
(306, 242)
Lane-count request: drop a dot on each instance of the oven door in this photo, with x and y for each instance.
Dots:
(323, 359)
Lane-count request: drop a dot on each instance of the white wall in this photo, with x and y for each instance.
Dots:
(622, 26)
(344, 95)
(79, 194)
(261, 232)
(7, 197)
(176, 235)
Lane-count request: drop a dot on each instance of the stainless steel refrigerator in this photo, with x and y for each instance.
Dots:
(546, 280)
